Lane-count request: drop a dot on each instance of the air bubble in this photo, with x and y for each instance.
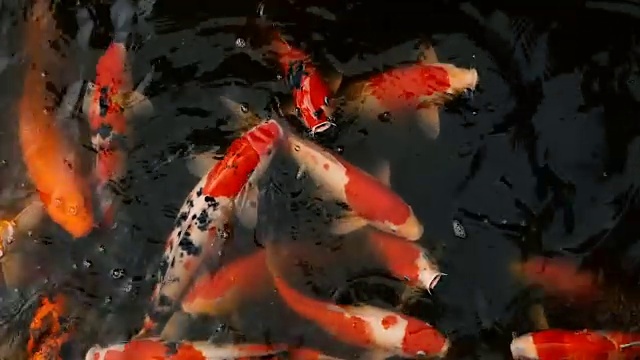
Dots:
(117, 273)
(240, 42)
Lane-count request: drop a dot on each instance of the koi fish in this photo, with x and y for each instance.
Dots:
(423, 87)
(154, 348)
(406, 261)
(312, 94)
(46, 334)
(308, 354)
(568, 344)
(367, 326)
(13, 262)
(219, 292)
(109, 104)
(558, 277)
(203, 223)
(372, 202)
(52, 164)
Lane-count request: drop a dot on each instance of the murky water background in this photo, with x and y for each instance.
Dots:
(543, 160)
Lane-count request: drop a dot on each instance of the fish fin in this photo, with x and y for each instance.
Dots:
(409, 295)
(427, 54)
(246, 116)
(87, 99)
(347, 224)
(383, 172)
(137, 105)
(429, 118)
(301, 171)
(246, 205)
(284, 105)
(176, 326)
(538, 316)
(200, 164)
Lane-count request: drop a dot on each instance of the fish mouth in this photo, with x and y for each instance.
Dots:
(323, 126)
(434, 280)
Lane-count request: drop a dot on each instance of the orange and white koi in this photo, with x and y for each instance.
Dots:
(367, 326)
(422, 87)
(312, 94)
(204, 221)
(579, 345)
(154, 348)
(109, 104)
(558, 277)
(372, 201)
(46, 333)
(52, 162)
(406, 261)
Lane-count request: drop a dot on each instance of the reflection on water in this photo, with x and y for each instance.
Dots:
(542, 160)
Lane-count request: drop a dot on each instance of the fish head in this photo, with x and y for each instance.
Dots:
(524, 348)
(461, 80)
(314, 104)
(70, 208)
(421, 339)
(428, 273)
(94, 353)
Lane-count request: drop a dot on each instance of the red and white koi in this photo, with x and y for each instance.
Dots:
(109, 104)
(312, 94)
(422, 87)
(154, 348)
(372, 201)
(406, 261)
(575, 345)
(205, 219)
(367, 326)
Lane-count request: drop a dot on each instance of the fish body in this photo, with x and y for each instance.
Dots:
(154, 348)
(111, 102)
(367, 326)
(52, 162)
(558, 277)
(421, 87)
(406, 260)
(205, 219)
(46, 333)
(566, 344)
(369, 198)
(214, 293)
(311, 93)
(308, 354)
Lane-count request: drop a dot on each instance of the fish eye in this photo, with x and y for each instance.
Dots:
(57, 202)
(73, 210)
(326, 100)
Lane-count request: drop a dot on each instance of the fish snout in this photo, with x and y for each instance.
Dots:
(430, 278)
(93, 353)
(412, 229)
(524, 348)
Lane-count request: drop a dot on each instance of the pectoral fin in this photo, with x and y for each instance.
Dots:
(246, 205)
(200, 164)
(137, 105)
(347, 224)
(429, 119)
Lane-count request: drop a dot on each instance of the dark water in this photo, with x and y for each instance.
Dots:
(542, 160)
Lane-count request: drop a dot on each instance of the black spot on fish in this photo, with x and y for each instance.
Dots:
(173, 263)
(189, 247)
(193, 217)
(211, 201)
(181, 218)
(203, 221)
(104, 101)
(199, 192)
(190, 203)
(296, 74)
(105, 130)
